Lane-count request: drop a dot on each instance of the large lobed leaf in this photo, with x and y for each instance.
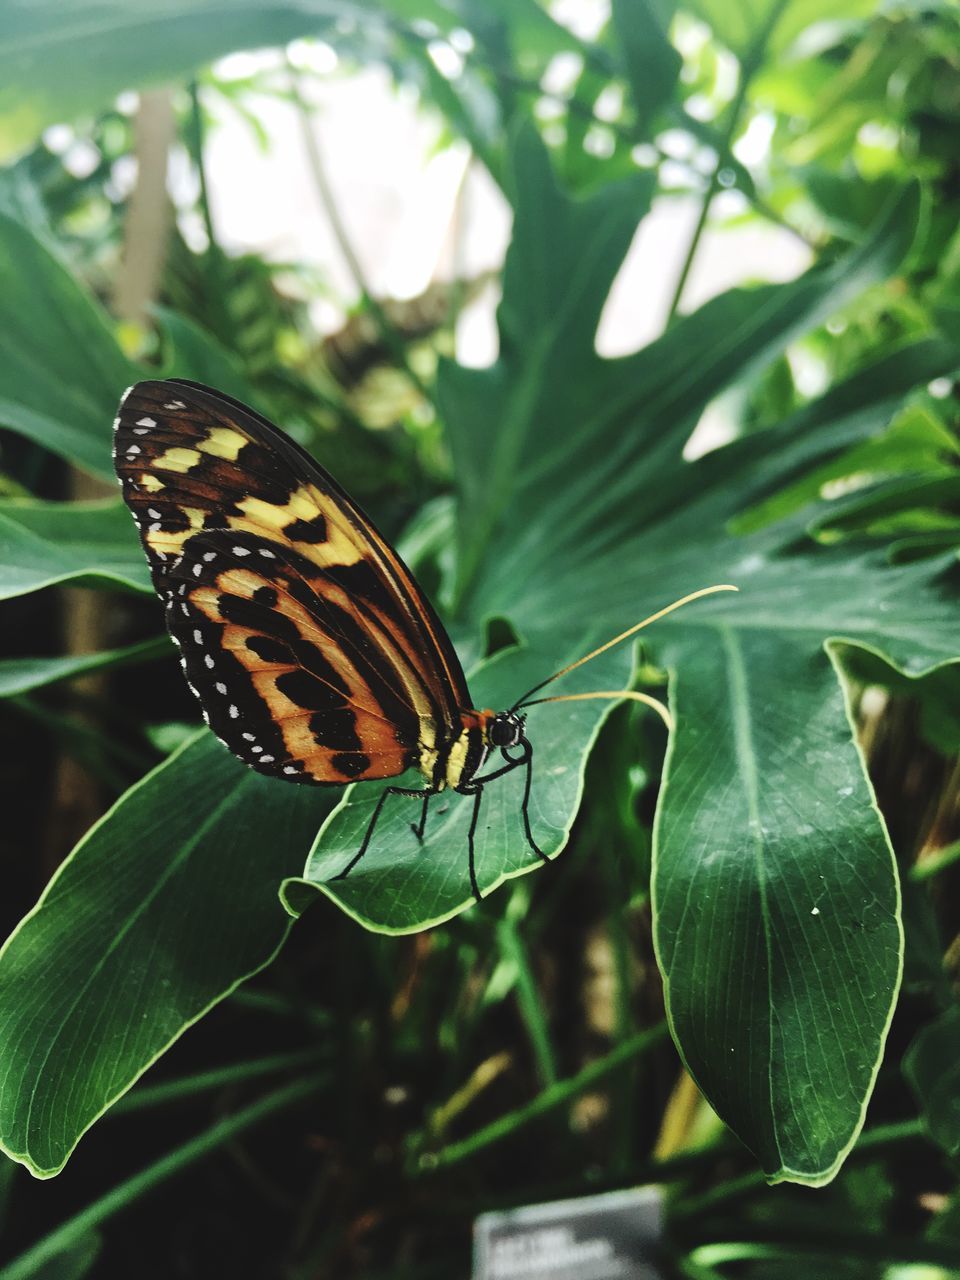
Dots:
(769, 847)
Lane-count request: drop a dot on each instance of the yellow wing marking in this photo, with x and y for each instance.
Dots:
(172, 540)
(176, 459)
(150, 482)
(221, 442)
(303, 504)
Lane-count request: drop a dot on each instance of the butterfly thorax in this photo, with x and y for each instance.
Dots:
(480, 732)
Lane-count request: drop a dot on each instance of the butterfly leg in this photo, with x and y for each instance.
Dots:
(418, 828)
(525, 806)
(387, 791)
(515, 762)
(477, 792)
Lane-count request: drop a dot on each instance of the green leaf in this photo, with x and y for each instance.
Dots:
(568, 444)
(652, 63)
(57, 63)
(774, 881)
(586, 508)
(933, 1071)
(191, 352)
(20, 675)
(402, 885)
(42, 543)
(853, 414)
(162, 909)
(62, 391)
(62, 372)
(740, 26)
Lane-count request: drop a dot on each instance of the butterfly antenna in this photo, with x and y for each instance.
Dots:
(624, 635)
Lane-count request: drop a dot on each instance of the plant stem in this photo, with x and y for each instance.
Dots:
(528, 998)
(202, 1081)
(748, 66)
(933, 863)
(555, 1096)
(216, 274)
(388, 334)
(282, 1007)
(857, 1246)
(68, 1233)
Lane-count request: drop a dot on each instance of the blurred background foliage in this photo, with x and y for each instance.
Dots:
(795, 114)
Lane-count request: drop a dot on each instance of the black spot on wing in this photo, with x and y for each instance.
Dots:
(336, 729)
(334, 725)
(257, 617)
(351, 764)
(307, 691)
(312, 531)
(270, 650)
(361, 580)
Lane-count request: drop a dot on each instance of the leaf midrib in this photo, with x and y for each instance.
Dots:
(748, 773)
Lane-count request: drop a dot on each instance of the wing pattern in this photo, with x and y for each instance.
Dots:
(313, 652)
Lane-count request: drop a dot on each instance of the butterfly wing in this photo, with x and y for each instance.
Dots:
(313, 651)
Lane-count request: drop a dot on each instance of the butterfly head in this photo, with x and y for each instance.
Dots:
(505, 729)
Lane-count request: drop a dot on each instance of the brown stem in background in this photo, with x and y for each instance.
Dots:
(148, 213)
(76, 800)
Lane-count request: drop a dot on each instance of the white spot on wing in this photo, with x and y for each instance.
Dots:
(233, 711)
(241, 551)
(146, 422)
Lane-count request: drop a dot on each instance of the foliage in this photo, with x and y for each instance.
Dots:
(569, 509)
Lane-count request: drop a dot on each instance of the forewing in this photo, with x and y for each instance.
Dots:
(313, 652)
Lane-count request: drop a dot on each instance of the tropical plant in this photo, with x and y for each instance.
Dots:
(551, 499)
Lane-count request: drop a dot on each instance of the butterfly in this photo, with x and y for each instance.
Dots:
(314, 653)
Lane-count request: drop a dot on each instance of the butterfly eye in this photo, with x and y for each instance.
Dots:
(506, 730)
